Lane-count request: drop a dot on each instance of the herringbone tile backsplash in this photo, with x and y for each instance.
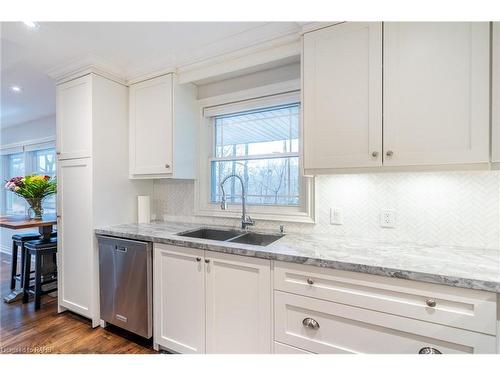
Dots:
(435, 208)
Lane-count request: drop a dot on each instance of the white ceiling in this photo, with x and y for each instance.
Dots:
(130, 47)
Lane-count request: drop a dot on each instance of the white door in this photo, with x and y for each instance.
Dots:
(436, 93)
(76, 252)
(496, 94)
(74, 118)
(179, 299)
(342, 96)
(238, 304)
(151, 121)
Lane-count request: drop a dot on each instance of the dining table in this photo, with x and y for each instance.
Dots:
(16, 222)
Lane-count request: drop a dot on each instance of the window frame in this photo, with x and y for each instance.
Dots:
(209, 108)
(28, 150)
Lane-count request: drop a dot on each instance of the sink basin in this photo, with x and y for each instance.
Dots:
(256, 239)
(211, 234)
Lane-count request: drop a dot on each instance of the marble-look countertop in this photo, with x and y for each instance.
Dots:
(455, 266)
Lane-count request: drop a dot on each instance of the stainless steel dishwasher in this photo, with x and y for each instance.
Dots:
(125, 280)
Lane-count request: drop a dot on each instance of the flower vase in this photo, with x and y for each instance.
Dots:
(36, 210)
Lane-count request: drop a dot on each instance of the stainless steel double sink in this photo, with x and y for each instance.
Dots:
(234, 236)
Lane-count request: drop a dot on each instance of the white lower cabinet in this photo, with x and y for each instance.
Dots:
(238, 304)
(326, 327)
(179, 299)
(77, 263)
(209, 302)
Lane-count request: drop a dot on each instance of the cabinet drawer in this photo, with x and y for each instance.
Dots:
(456, 307)
(338, 328)
(280, 348)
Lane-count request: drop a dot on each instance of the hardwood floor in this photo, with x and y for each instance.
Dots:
(24, 330)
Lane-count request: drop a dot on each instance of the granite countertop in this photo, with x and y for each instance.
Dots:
(455, 266)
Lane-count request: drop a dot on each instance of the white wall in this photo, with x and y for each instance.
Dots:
(20, 133)
(266, 77)
(32, 130)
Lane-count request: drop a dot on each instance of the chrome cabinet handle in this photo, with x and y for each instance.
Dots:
(310, 281)
(389, 153)
(310, 323)
(429, 350)
(375, 154)
(430, 302)
(198, 259)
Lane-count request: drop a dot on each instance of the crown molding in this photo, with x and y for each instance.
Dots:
(262, 54)
(270, 48)
(313, 26)
(84, 66)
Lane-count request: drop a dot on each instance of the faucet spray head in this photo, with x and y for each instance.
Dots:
(223, 204)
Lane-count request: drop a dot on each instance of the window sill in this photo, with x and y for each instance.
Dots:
(282, 214)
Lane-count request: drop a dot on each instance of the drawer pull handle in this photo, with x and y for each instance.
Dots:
(429, 350)
(310, 323)
(198, 259)
(310, 281)
(430, 302)
(207, 261)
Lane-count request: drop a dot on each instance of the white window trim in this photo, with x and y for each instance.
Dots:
(249, 99)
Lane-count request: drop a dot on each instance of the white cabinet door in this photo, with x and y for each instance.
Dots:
(74, 118)
(76, 252)
(179, 298)
(496, 94)
(436, 93)
(238, 304)
(342, 96)
(151, 121)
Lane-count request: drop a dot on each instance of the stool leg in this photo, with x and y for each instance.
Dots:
(38, 280)
(26, 276)
(23, 258)
(13, 270)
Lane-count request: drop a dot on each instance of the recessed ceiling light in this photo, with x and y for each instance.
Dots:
(16, 89)
(31, 24)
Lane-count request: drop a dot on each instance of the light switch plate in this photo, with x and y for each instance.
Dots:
(336, 216)
(388, 218)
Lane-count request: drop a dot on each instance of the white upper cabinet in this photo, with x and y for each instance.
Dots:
(342, 96)
(496, 94)
(162, 126)
(74, 118)
(436, 93)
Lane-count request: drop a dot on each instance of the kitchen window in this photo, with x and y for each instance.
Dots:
(258, 140)
(35, 159)
(262, 147)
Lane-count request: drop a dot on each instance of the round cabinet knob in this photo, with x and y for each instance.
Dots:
(310, 323)
(374, 154)
(207, 261)
(198, 259)
(389, 153)
(430, 302)
(167, 166)
(429, 350)
(310, 281)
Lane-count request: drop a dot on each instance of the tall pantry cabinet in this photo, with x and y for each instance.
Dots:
(94, 188)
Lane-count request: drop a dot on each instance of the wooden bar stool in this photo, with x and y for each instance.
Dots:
(18, 241)
(39, 249)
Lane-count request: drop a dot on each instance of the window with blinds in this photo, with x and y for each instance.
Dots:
(262, 147)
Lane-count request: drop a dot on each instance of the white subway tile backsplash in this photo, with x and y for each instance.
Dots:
(445, 208)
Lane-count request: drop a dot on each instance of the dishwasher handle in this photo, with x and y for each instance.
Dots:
(122, 249)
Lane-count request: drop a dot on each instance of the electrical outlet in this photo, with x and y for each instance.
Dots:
(388, 218)
(336, 216)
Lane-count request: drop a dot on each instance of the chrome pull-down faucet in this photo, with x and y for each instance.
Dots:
(245, 219)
